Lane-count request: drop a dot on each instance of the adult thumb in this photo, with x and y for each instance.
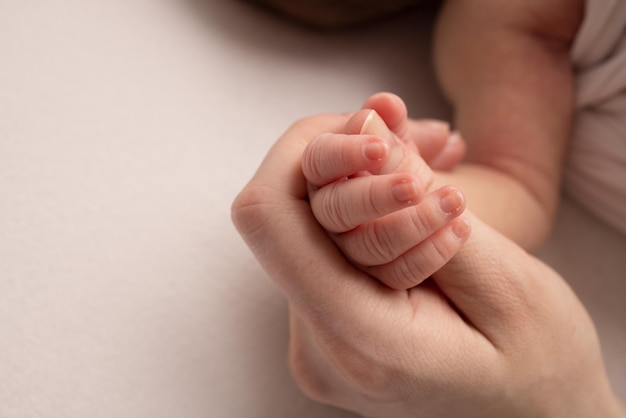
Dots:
(494, 283)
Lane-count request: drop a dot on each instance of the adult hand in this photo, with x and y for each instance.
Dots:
(495, 333)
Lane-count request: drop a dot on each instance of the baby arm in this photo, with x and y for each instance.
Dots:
(505, 66)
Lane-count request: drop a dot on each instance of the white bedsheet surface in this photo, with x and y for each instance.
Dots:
(126, 130)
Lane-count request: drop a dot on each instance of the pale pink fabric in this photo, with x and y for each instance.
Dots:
(596, 171)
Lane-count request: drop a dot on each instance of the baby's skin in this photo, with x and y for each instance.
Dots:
(505, 67)
(379, 200)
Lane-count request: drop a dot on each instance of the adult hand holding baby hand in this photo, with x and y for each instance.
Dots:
(495, 332)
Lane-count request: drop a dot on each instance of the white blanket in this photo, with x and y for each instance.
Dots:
(126, 130)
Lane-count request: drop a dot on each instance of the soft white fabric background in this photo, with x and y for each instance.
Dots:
(126, 129)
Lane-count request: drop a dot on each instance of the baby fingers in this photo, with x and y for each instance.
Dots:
(426, 258)
(389, 238)
(343, 205)
(330, 157)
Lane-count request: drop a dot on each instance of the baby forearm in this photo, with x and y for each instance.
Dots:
(511, 85)
(503, 202)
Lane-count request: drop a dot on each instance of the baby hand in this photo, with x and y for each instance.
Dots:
(381, 203)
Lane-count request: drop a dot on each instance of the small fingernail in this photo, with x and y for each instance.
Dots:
(405, 191)
(461, 227)
(375, 125)
(368, 120)
(452, 202)
(375, 150)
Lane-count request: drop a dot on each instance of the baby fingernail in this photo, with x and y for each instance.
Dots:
(375, 151)
(405, 191)
(452, 203)
(461, 227)
(375, 125)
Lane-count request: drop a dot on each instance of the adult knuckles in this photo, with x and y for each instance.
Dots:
(251, 209)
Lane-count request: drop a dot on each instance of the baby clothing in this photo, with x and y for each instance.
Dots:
(595, 173)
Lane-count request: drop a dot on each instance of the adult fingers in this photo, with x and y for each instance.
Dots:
(495, 284)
